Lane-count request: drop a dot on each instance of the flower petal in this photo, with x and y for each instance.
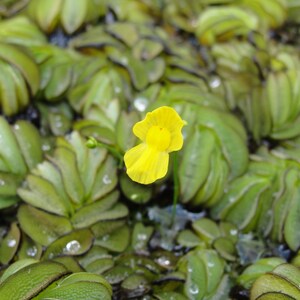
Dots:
(176, 142)
(164, 116)
(145, 164)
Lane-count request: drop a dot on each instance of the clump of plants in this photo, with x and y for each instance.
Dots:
(149, 149)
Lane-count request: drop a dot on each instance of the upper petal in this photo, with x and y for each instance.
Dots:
(165, 117)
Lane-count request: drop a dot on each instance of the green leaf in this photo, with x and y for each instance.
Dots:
(72, 16)
(9, 150)
(292, 222)
(116, 241)
(76, 243)
(30, 142)
(9, 245)
(104, 209)
(194, 167)
(16, 266)
(31, 280)
(42, 227)
(42, 194)
(65, 161)
(23, 63)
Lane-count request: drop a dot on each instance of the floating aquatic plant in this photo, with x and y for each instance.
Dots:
(95, 69)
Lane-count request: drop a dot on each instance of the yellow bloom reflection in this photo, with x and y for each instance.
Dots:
(160, 133)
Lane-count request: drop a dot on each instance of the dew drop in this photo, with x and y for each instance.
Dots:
(32, 251)
(215, 82)
(134, 196)
(194, 290)
(124, 60)
(163, 261)
(210, 264)
(117, 90)
(106, 179)
(72, 247)
(11, 243)
(231, 199)
(105, 237)
(233, 231)
(142, 236)
(140, 103)
(2, 182)
(46, 147)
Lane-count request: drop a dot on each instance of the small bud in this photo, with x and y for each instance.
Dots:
(91, 142)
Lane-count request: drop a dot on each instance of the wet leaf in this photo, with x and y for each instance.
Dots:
(135, 192)
(29, 249)
(116, 241)
(226, 248)
(283, 279)
(42, 227)
(31, 280)
(206, 229)
(23, 63)
(76, 243)
(11, 158)
(10, 244)
(42, 194)
(135, 286)
(102, 210)
(140, 236)
(16, 266)
(30, 142)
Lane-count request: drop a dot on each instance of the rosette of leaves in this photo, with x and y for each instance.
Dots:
(283, 282)
(206, 233)
(59, 70)
(271, 14)
(183, 15)
(215, 153)
(100, 101)
(21, 150)
(185, 66)
(21, 31)
(136, 11)
(50, 14)
(235, 71)
(19, 78)
(265, 112)
(256, 80)
(136, 272)
(127, 65)
(217, 24)
(135, 48)
(67, 195)
(266, 197)
(48, 279)
(205, 275)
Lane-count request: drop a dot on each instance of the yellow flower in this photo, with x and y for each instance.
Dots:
(160, 133)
